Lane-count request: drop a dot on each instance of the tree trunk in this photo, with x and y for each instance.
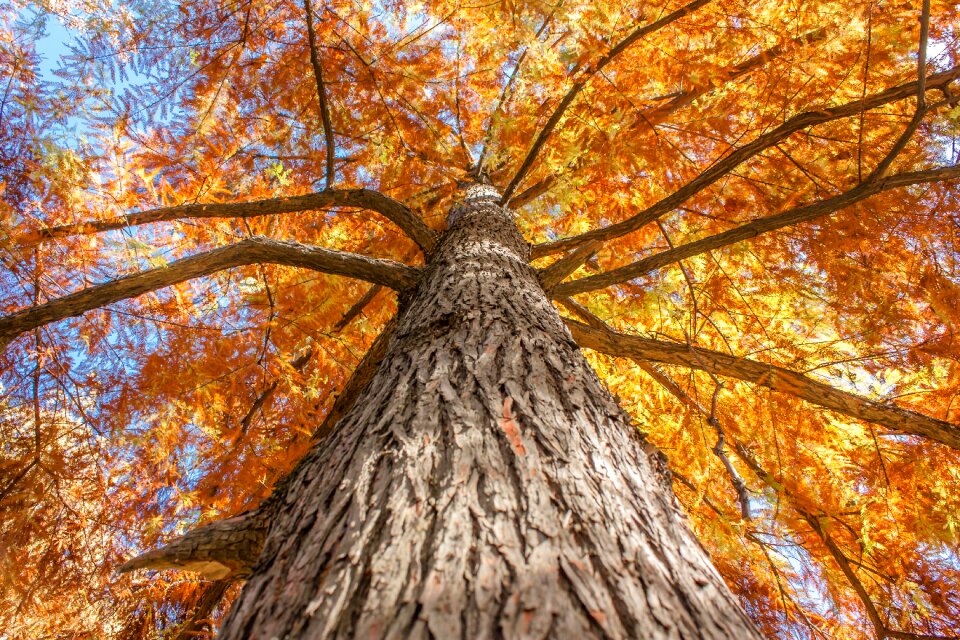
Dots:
(484, 485)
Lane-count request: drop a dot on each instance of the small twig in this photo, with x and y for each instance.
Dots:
(881, 169)
(863, 94)
(580, 83)
(357, 308)
(735, 478)
(298, 364)
(357, 382)
(321, 92)
(686, 278)
(17, 478)
(724, 165)
(456, 95)
(506, 94)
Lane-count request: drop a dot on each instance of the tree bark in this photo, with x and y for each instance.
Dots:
(484, 485)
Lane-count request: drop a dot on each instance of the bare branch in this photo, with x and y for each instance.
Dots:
(728, 163)
(767, 375)
(321, 91)
(581, 82)
(753, 229)
(391, 209)
(250, 251)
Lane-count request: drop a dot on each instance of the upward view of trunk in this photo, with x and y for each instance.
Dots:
(484, 485)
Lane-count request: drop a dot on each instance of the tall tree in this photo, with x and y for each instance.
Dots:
(495, 320)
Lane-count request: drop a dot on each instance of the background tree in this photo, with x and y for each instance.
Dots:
(746, 211)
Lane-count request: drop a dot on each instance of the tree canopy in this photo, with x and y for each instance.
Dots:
(748, 212)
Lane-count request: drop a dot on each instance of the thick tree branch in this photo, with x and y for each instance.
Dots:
(767, 375)
(553, 275)
(220, 550)
(753, 229)
(532, 192)
(249, 251)
(391, 209)
(357, 308)
(17, 478)
(581, 82)
(724, 166)
(321, 91)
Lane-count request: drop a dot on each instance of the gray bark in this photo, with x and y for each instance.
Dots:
(484, 485)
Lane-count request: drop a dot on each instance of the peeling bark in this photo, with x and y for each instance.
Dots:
(484, 485)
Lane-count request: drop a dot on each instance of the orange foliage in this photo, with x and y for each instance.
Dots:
(132, 423)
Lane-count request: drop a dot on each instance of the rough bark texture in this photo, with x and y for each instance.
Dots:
(484, 485)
